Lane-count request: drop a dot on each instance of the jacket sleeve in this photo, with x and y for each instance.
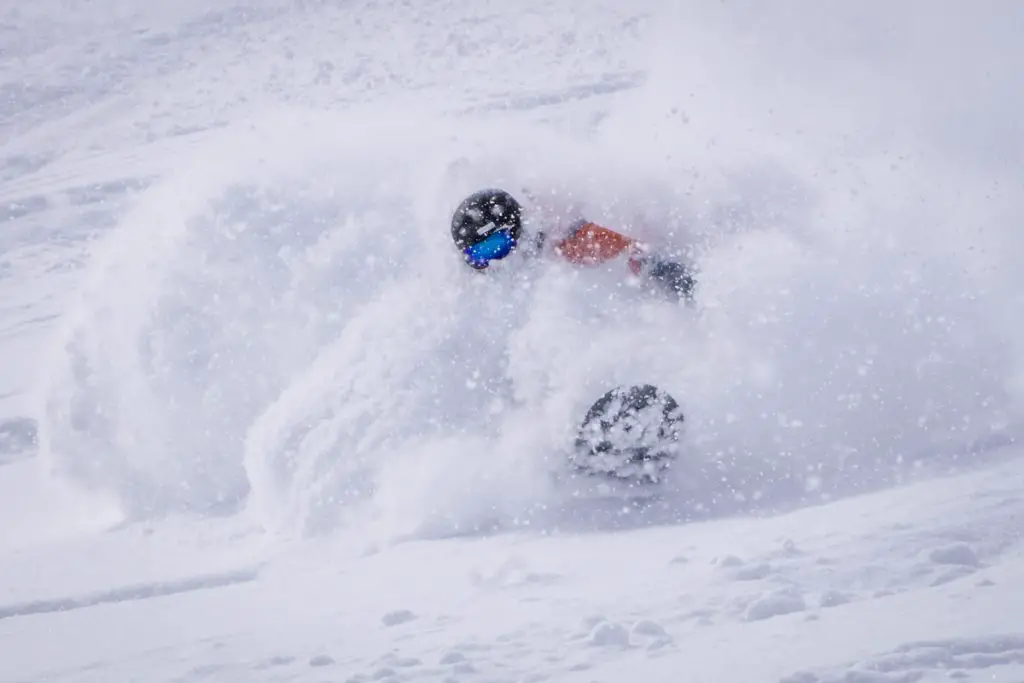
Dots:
(591, 243)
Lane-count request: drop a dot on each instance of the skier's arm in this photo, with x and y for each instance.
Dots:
(590, 243)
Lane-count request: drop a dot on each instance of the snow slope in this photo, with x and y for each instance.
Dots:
(262, 422)
(879, 586)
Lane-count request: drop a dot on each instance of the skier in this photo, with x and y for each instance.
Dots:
(631, 432)
(488, 226)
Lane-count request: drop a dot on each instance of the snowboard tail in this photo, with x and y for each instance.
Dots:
(631, 433)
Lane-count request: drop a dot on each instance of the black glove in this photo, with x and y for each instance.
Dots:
(674, 277)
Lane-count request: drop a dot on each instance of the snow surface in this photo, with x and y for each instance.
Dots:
(258, 422)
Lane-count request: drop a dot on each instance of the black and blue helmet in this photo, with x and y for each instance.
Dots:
(483, 213)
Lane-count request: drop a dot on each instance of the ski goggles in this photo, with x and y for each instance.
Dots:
(496, 246)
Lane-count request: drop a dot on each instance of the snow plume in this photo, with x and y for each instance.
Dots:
(857, 213)
(283, 327)
(224, 284)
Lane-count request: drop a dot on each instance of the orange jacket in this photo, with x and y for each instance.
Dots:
(591, 243)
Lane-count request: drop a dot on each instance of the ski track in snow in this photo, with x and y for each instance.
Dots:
(119, 121)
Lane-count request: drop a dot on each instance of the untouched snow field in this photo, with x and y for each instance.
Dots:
(258, 422)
